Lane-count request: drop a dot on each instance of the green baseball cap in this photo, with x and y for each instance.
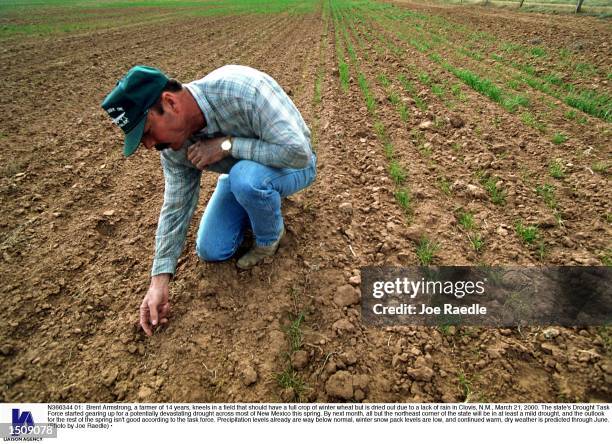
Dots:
(128, 104)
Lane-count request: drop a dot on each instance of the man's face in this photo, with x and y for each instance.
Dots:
(167, 130)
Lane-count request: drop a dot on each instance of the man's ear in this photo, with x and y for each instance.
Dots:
(170, 101)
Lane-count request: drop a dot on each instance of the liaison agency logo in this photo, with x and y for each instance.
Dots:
(22, 426)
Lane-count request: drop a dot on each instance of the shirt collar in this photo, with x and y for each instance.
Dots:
(197, 93)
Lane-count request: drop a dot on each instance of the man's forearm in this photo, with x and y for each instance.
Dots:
(295, 155)
(181, 193)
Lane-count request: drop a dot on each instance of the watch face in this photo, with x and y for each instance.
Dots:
(226, 145)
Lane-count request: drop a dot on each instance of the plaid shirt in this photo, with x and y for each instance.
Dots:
(265, 126)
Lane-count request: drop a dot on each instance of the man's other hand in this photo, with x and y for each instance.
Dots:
(206, 152)
(155, 308)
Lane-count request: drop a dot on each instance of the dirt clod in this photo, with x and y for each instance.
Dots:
(421, 373)
(249, 376)
(299, 359)
(347, 295)
(340, 385)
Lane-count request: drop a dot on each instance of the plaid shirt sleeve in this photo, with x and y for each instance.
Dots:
(182, 189)
(281, 142)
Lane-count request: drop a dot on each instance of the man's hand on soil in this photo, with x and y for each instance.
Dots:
(206, 152)
(155, 308)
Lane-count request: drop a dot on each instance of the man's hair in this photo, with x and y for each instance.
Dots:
(172, 85)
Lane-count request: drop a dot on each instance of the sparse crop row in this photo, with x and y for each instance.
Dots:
(510, 101)
(426, 38)
(425, 248)
(442, 31)
(378, 44)
(491, 184)
(396, 172)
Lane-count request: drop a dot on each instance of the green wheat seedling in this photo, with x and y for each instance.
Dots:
(349, 48)
(290, 379)
(585, 69)
(389, 150)
(529, 119)
(317, 89)
(497, 194)
(476, 241)
(445, 329)
(514, 84)
(556, 170)
(383, 137)
(484, 86)
(547, 192)
(425, 79)
(426, 250)
(513, 102)
(542, 251)
(417, 136)
(438, 90)
(476, 55)
(402, 196)
(393, 98)
(591, 103)
(403, 112)
(410, 89)
(559, 138)
(365, 89)
(381, 134)
(456, 91)
(343, 69)
(510, 47)
(571, 114)
(294, 333)
(588, 101)
(344, 75)
(600, 167)
(553, 79)
(528, 234)
(384, 81)
(435, 58)
(466, 386)
(397, 173)
(466, 220)
(445, 186)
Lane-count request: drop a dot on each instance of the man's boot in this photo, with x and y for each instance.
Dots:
(256, 254)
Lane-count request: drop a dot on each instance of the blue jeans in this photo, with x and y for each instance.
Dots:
(250, 195)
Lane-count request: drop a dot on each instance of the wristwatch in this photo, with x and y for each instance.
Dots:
(227, 144)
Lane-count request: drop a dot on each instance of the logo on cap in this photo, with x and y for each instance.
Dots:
(121, 120)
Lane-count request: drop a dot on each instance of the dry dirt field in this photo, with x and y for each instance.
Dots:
(447, 135)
